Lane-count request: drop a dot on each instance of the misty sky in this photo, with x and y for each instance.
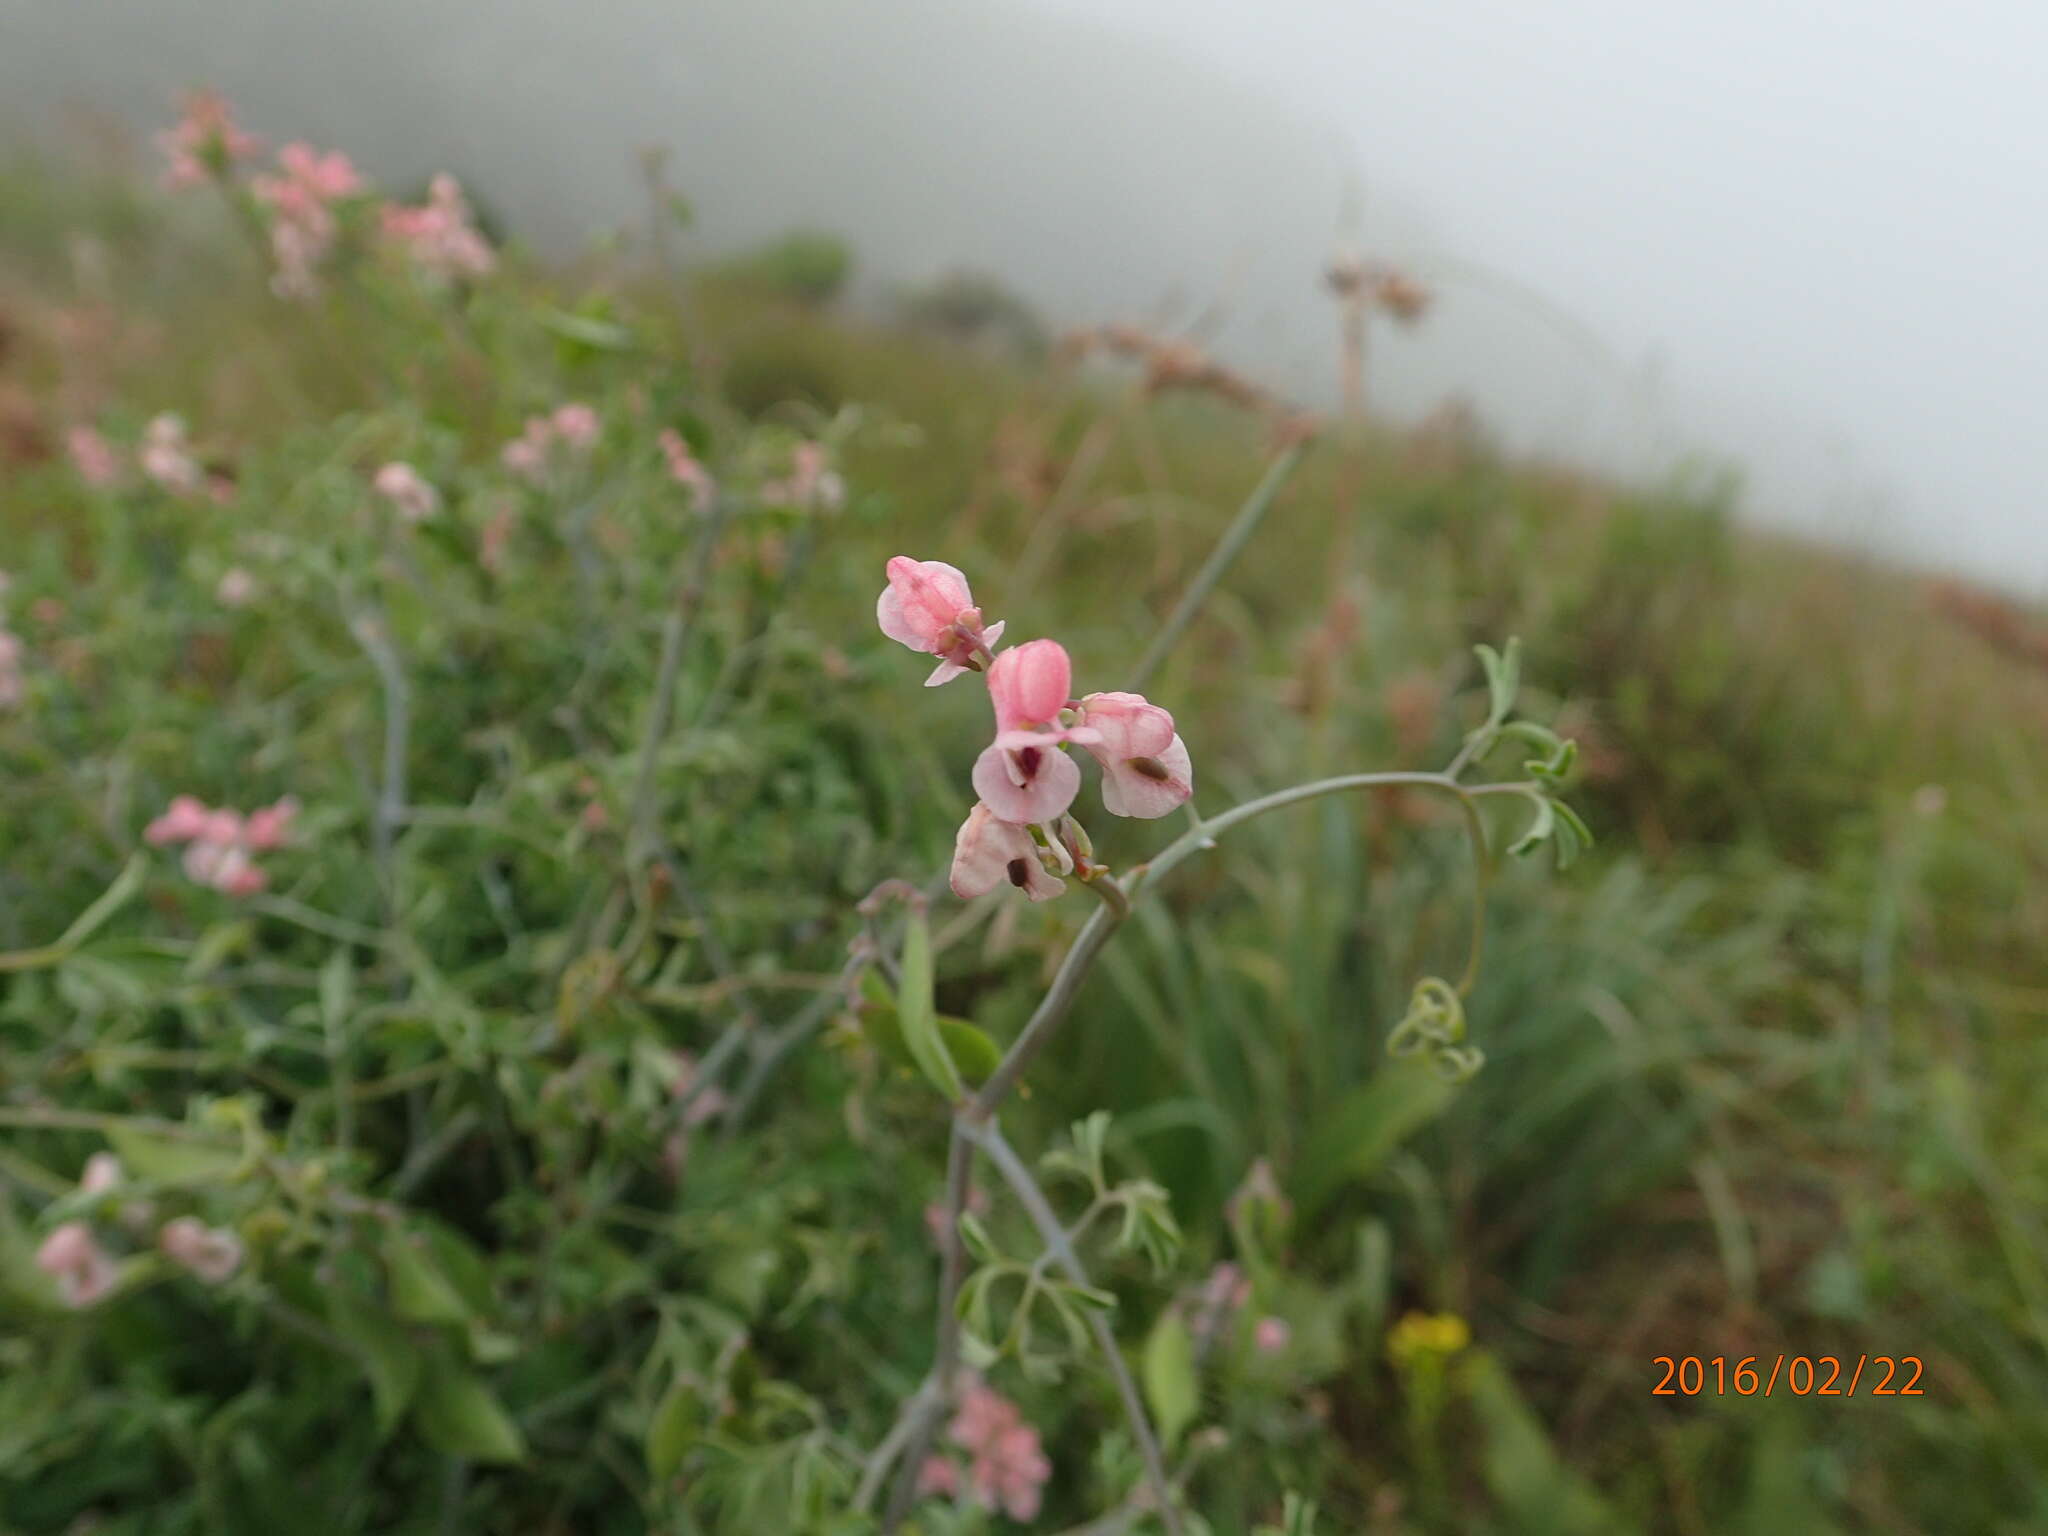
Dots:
(1804, 235)
(1826, 217)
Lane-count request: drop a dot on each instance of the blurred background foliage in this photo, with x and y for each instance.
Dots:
(1761, 1069)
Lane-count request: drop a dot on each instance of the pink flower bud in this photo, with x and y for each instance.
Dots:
(270, 827)
(222, 827)
(928, 607)
(102, 1173)
(184, 819)
(938, 1478)
(1029, 685)
(402, 486)
(211, 1253)
(685, 468)
(576, 425)
(1270, 1335)
(73, 1258)
(96, 463)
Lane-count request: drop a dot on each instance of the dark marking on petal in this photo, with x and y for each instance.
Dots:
(1151, 768)
(1020, 873)
(1028, 760)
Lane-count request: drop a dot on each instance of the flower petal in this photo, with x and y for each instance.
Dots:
(1128, 790)
(1032, 784)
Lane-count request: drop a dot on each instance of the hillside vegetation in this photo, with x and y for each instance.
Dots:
(551, 1087)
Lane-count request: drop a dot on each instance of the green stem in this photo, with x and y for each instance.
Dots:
(1227, 549)
(989, 1138)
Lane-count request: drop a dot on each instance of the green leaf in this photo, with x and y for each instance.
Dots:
(458, 1415)
(420, 1292)
(217, 943)
(914, 1013)
(675, 1427)
(337, 989)
(1503, 679)
(973, 1052)
(1539, 829)
(587, 330)
(1366, 1128)
(174, 1159)
(1168, 1370)
(1522, 1469)
(386, 1351)
(975, 1239)
(86, 924)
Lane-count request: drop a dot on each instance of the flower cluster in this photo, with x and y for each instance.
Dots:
(205, 142)
(1006, 1466)
(408, 491)
(84, 1272)
(166, 456)
(810, 485)
(440, 235)
(685, 468)
(301, 198)
(95, 459)
(220, 845)
(570, 429)
(1020, 829)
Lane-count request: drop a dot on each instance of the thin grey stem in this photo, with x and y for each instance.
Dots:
(1227, 549)
(1050, 1014)
(989, 1138)
(928, 1405)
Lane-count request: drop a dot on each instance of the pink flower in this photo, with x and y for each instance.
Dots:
(303, 226)
(439, 236)
(205, 142)
(271, 826)
(184, 819)
(1007, 1466)
(222, 827)
(1271, 1334)
(576, 425)
(1226, 1289)
(1146, 771)
(102, 1173)
(225, 867)
(938, 1477)
(235, 588)
(402, 486)
(989, 851)
(211, 1253)
(219, 842)
(685, 468)
(529, 455)
(166, 459)
(12, 684)
(928, 607)
(73, 1258)
(1022, 776)
(93, 457)
(810, 483)
(328, 176)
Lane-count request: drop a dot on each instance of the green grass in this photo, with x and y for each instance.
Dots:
(1761, 1070)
